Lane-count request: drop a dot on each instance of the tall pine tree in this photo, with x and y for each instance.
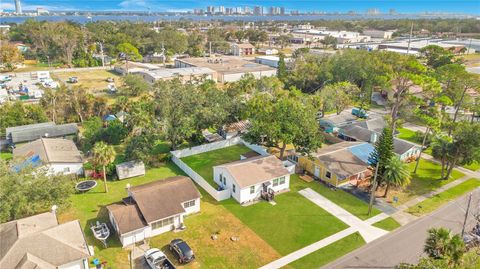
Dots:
(383, 152)
(282, 68)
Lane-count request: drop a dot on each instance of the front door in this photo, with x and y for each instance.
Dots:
(316, 171)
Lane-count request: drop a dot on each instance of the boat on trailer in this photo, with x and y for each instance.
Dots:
(101, 232)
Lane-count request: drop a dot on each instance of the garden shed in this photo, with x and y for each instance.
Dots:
(130, 169)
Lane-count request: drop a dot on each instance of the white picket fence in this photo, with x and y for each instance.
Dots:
(216, 194)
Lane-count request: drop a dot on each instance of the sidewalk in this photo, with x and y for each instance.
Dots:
(368, 232)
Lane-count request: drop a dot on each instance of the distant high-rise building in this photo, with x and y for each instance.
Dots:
(18, 7)
(373, 11)
(258, 10)
(211, 9)
(198, 11)
(247, 10)
(238, 10)
(221, 9)
(228, 11)
(282, 11)
(392, 11)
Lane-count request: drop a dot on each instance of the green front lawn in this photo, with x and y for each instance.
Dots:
(6, 156)
(388, 224)
(90, 206)
(330, 253)
(342, 198)
(203, 163)
(407, 134)
(473, 166)
(424, 181)
(294, 222)
(438, 200)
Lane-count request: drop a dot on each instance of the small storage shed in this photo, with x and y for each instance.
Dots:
(130, 169)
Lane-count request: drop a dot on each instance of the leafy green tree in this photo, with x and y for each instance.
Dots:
(114, 133)
(465, 147)
(282, 68)
(396, 173)
(16, 113)
(10, 56)
(437, 56)
(27, 192)
(440, 244)
(282, 119)
(338, 96)
(103, 155)
(175, 105)
(383, 153)
(440, 148)
(92, 131)
(329, 41)
(142, 147)
(130, 51)
(134, 85)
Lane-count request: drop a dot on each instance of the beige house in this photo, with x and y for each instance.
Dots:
(41, 242)
(242, 49)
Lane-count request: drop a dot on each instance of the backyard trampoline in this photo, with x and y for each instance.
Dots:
(86, 185)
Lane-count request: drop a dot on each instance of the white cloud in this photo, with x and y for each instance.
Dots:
(7, 6)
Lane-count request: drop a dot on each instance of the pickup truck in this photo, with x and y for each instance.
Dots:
(156, 259)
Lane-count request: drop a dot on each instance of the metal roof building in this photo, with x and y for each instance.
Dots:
(26, 133)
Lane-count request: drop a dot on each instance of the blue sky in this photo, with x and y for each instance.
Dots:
(404, 6)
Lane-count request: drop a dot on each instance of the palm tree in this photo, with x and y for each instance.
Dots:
(103, 154)
(440, 244)
(396, 173)
(440, 149)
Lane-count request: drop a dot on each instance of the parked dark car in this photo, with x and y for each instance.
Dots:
(182, 251)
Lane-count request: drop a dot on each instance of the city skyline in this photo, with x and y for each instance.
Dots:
(345, 6)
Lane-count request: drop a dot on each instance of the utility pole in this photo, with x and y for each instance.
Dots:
(466, 214)
(421, 150)
(210, 49)
(410, 39)
(101, 53)
(372, 192)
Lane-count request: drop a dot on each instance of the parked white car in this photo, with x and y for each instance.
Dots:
(156, 259)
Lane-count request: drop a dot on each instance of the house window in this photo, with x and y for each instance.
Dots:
(328, 174)
(189, 204)
(233, 187)
(221, 178)
(252, 189)
(282, 180)
(162, 223)
(275, 182)
(66, 170)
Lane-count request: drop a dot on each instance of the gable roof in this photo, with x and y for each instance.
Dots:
(255, 170)
(31, 132)
(375, 125)
(127, 216)
(164, 198)
(341, 158)
(361, 134)
(40, 242)
(51, 150)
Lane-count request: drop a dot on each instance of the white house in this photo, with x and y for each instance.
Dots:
(154, 208)
(57, 155)
(248, 178)
(242, 49)
(40, 241)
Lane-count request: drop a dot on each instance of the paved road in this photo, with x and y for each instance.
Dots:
(406, 243)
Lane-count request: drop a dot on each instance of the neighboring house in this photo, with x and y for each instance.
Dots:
(235, 129)
(27, 133)
(375, 125)
(154, 208)
(242, 49)
(331, 122)
(41, 242)
(406, 151)
(59, 156)
(338, 164)
(247, 178)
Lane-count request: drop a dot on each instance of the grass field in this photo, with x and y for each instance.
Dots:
(426, 180)
(251, 250)
(6, 155)
(343, 199)
(473, 166)
(407, 134)
(438, 200)
(93, 80)
(388, 224)
(329, 253)
(203, 163)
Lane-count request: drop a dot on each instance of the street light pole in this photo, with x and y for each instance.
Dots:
(374, 186)
(466, 214)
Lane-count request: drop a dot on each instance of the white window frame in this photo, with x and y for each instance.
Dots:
(162, 223)
(275, 182)
(252, 189)
(189, 203)
(282, 181)
(328, 174)
(234, 188)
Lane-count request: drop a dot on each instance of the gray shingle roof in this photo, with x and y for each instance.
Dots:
(31, 132)
(51, 150)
